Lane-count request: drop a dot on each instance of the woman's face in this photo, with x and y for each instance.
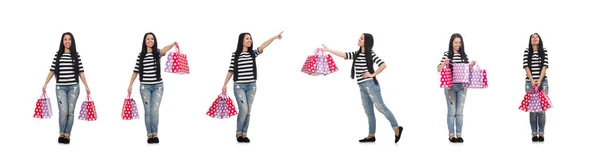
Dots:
(149, 41)
(361, 41)
(247, 41)
(535, 39)
(67, 41)
(456, 43)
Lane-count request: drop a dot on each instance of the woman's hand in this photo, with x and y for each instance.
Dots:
(368, 75)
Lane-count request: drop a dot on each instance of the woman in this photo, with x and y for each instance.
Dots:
(535, 63)
(151, 84)
(244, 71)
(362, 69)
(456, 95)
(68, 69)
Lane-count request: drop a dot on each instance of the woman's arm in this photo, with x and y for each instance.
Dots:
(82, 76)
(335, 52)
(227, 78)
(268, 42)
(50, 75)
(166, 49)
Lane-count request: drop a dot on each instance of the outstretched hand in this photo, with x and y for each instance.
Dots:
(278, 36)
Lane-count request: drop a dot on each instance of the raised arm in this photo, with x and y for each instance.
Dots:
(335, 52)
(268, 42)
(166, 49)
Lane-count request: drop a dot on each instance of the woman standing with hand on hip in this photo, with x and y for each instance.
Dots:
(457, 94)
(68, 69)
(244, 71)
(362, 69)
(151, 84)
(535, 63)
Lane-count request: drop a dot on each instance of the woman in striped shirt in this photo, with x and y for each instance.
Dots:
(456, 95)
(362, 69)
(535, 63)
(244, 71)
(68, 69)
(151, 84)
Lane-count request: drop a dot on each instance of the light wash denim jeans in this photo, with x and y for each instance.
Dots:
(244, 95)
(371, 95)
(537, 120)
(151, 97)
(455, 100)
(67, 99)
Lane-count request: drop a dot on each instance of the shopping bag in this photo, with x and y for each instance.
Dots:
(129, 111)
(446, 77)
(535, 104)
(460, 72)
(322, 67)
(310, 65)
(332, 66)
(177, 62)
(477, 78)
(544, 100)
(525, 102)
(88, 110)
(43, 108)
(222, 107)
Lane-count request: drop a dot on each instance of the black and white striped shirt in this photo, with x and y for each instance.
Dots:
(66, 74)
(536, 64)
(455, 58)
(245, 66)
(150, 74)
(360, 66)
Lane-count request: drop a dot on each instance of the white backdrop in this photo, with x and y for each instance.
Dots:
(294, 115)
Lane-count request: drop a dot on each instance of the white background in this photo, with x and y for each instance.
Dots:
(296, 116)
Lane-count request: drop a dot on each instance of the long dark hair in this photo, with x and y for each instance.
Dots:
(238, 51)
(155, 54)
(368, 45)
(74, 55)
(463, 55)
(540, 49)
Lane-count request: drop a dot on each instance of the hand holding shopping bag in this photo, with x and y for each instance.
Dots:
(222, 107)
(319, 64)
(88, 110)
(446, 77)
(177, 62)
(43, 108)
(477, 78)
(129, 111)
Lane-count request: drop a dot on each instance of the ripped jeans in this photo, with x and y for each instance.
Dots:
(537, 120)
(67, 98)
(244, 95)
(371, 95)
(455, 99)
(151, 97)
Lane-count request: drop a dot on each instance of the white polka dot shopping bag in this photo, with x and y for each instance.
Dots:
(129, 110)
(88, 110)
(446, 77)
(177, 62)
(319, 64)
(43, 108)
(477, 78)
(460, 72)
(222, 107)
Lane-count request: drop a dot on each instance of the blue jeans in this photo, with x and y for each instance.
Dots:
(151, 96)
(537, 120)
(244, 95)
(455, 99)
(67, 98)
(371, 95)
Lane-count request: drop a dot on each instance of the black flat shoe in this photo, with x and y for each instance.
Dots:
(66, 140)
(535, 138)
(452, 139)
(246, 140)
(150, 140)
(541, 139)
(155, 140)
(239, 139)
(367, 140)
(460, 140)
(61, 140)
(400, 128)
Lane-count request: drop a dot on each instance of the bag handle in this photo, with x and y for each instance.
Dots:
(43, 95)
(89, 98)
(129, 95)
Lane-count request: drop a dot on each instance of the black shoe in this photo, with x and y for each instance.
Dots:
(535, 138)
(150, 140)
(66, 140)
(541, 139)
(155, 140)
(399, 134)
(367, 140)
(246, 140)
(239, 139)
(460, 140)
(61, 140)
(452, 139)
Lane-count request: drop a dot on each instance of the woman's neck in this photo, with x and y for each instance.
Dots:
(149, 50)
(456, 52)
(67, 51)
(535, 48)
(245, 49)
